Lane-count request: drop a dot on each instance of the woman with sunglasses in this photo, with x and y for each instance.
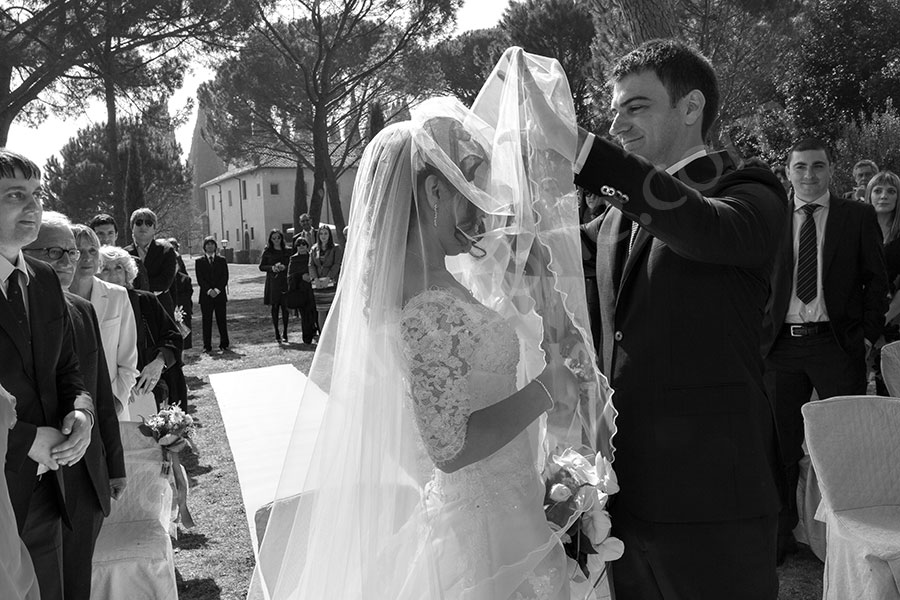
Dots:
(299, 285)
(425, 479)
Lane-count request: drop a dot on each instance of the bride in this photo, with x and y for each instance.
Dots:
(443, 364)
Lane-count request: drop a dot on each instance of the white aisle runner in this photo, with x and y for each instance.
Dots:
(259, 409)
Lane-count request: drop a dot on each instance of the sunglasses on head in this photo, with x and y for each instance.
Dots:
(142, 222)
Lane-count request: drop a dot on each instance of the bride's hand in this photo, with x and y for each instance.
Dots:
(561, 383)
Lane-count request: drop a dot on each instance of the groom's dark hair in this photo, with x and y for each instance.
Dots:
(680, 68)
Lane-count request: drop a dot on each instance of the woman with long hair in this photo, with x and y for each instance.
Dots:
(274, 262)
(882, 193)
(325, 258)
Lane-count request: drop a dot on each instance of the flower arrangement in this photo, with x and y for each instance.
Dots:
(172, 428)
(575, 496)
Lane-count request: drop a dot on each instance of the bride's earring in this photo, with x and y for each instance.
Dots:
(435, 215)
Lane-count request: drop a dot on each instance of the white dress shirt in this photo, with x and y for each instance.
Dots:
(815, 310)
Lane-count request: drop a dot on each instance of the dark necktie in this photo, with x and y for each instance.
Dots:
(808, 257)
(17, 302)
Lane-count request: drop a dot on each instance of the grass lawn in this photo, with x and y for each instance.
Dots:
(214, 560)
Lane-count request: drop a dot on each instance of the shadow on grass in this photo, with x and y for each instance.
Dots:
(204, 588)
(189, 540)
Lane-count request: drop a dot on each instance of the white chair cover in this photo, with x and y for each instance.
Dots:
(855, 450)
(809, 531)
(890, 367)
(133, 557)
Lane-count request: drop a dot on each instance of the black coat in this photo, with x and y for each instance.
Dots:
(854, 278)
(211, 276)
(42, 373)
(104, 458)
(276, 283)
(682, 319)
(157, 271)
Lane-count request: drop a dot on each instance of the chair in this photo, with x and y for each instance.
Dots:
(855, 450)
(890, 367)
(133, 557)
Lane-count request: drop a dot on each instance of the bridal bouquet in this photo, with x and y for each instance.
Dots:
(576, 492)
(172, 428)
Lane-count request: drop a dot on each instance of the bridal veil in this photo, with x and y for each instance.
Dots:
(354, 525)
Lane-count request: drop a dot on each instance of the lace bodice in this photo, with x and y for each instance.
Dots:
(462, 357)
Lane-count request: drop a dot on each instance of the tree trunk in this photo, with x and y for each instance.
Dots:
(320, 159)
(649, 19)
(334, 200)
(300, 205)
(6, 119)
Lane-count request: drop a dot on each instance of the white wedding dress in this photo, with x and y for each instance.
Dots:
(486, 520)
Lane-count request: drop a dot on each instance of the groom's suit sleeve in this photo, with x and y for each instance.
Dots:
(740, 229)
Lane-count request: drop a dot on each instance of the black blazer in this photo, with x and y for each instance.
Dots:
(159, 268)
(211, 276)
(42, 373)
(104, 458)
(681, 328)
(854, 278)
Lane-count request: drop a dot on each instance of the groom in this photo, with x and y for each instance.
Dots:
(682, 268)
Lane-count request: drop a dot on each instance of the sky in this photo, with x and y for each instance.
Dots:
(39, 144)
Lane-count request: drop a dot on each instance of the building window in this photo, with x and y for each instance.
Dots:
(243, 189)
(212, 204)
(251, 234)
(229, 198)
(273, 189)
(258, 192)
(237, 234)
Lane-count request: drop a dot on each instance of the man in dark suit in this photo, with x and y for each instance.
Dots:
(100, 475)
(827, 306)
(212, 278)
(157, 260)
(683, 261)
(54, 411)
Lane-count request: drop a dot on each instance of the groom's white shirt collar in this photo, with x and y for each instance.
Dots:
(589, 143)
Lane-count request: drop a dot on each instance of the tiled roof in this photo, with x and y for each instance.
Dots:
(267, 163)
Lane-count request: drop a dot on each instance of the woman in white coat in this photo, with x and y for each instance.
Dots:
(117, 327)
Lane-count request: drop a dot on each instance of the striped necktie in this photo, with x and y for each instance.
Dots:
(808, 257)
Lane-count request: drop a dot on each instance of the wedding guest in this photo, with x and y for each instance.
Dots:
(158, 339)
(591, 210)
(863, 171)
(212, 278)
(17, 580)
(683, 260)
(182, 291)
(826, 307)
(158, 260)
(274, 262)
(54, 412)
(118, 328)
(881, 192)
(782, 177)
(100, 475)
(324, 268)
(305, 230)
(106, 229)
(299, 279)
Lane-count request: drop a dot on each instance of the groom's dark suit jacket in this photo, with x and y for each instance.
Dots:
(682, 319)
(854, 281)
(42, 373)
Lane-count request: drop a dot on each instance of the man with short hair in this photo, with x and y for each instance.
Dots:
(306, 230)
(54, 412)
(683, 259)
(105, 228)
(212, 279)
(827, 305)
(100, 476)
(863, 171)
